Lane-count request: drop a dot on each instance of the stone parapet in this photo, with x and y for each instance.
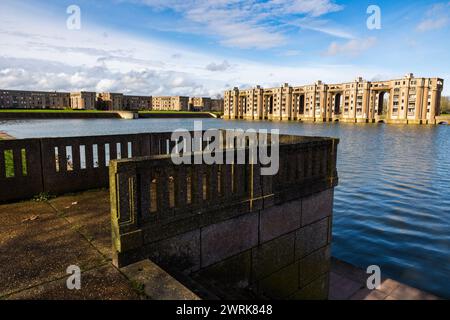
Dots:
(273, 232)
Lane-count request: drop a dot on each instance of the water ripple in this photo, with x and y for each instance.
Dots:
(392, 206)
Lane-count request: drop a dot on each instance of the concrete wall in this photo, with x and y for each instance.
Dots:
(279, 252)
(227, 226)
(60, 165)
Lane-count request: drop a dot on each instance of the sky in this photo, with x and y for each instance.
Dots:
(201, 48)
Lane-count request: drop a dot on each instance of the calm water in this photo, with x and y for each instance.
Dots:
(392, 207)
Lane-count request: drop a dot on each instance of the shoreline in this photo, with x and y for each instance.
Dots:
(73, 114)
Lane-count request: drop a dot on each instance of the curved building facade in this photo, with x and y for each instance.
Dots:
(406, 100)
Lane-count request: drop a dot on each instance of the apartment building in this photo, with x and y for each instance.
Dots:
(17, 99)
(174, 103)
(217, 105)
(406, 100)
(83, 100)
(199, 104)
(135, 103)
(110, 101)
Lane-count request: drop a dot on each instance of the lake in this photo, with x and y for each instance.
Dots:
(392, 205)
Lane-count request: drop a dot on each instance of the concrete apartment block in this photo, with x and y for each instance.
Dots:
(15, 99)
(136, 103)
(407, 100)
(199, 104)
(83, 100)
(110, 101)
(217, 105)
(175, 103)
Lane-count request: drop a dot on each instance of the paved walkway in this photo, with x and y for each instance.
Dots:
(39, 240)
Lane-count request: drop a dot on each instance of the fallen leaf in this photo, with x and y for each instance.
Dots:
(32, 218)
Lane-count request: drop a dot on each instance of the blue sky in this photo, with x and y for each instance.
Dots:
(199, 47)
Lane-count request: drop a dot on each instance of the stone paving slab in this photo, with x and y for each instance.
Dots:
(40, 250)
(103, 283)
(348, 282)
(157, 283)
(39, 240)
(89, 212)
(16, 214)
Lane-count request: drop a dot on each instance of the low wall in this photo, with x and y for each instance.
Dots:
(227, 226)
(61, 165)
(35, 115)
(58, 115)
(173, 115)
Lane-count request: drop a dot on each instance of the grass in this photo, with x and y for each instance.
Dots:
(48, 111)
(43, 197)
(181, 112)
(100, 111)
(9, 163)
(171, 111)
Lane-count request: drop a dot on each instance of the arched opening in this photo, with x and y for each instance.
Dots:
(381, 121)
(383, 103)
(443, 123)
(301, 104)
(336, 120)
(270, 101)
(244, 106)
(337, 103)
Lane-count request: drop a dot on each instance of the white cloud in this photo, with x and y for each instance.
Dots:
(437, 17)
(352, 47)
(245, 24)
(218, 66)
(323, 26)
(58, 59)
(100, 79)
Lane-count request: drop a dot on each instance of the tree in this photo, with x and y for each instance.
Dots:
(445, 105)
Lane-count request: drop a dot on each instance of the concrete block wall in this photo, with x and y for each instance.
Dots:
(247, 238)
(279, 252)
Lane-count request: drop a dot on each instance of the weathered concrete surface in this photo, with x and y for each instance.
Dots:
(101, 283)
(157, 283)
(89, 215)
(39, 240)
(349, 283)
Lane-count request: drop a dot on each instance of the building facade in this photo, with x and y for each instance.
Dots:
(174, 103)
(406, 100)
(83, 100)
(16, 99)
(217, 105)
(110, 101)
(136, 103)
(200, 104)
